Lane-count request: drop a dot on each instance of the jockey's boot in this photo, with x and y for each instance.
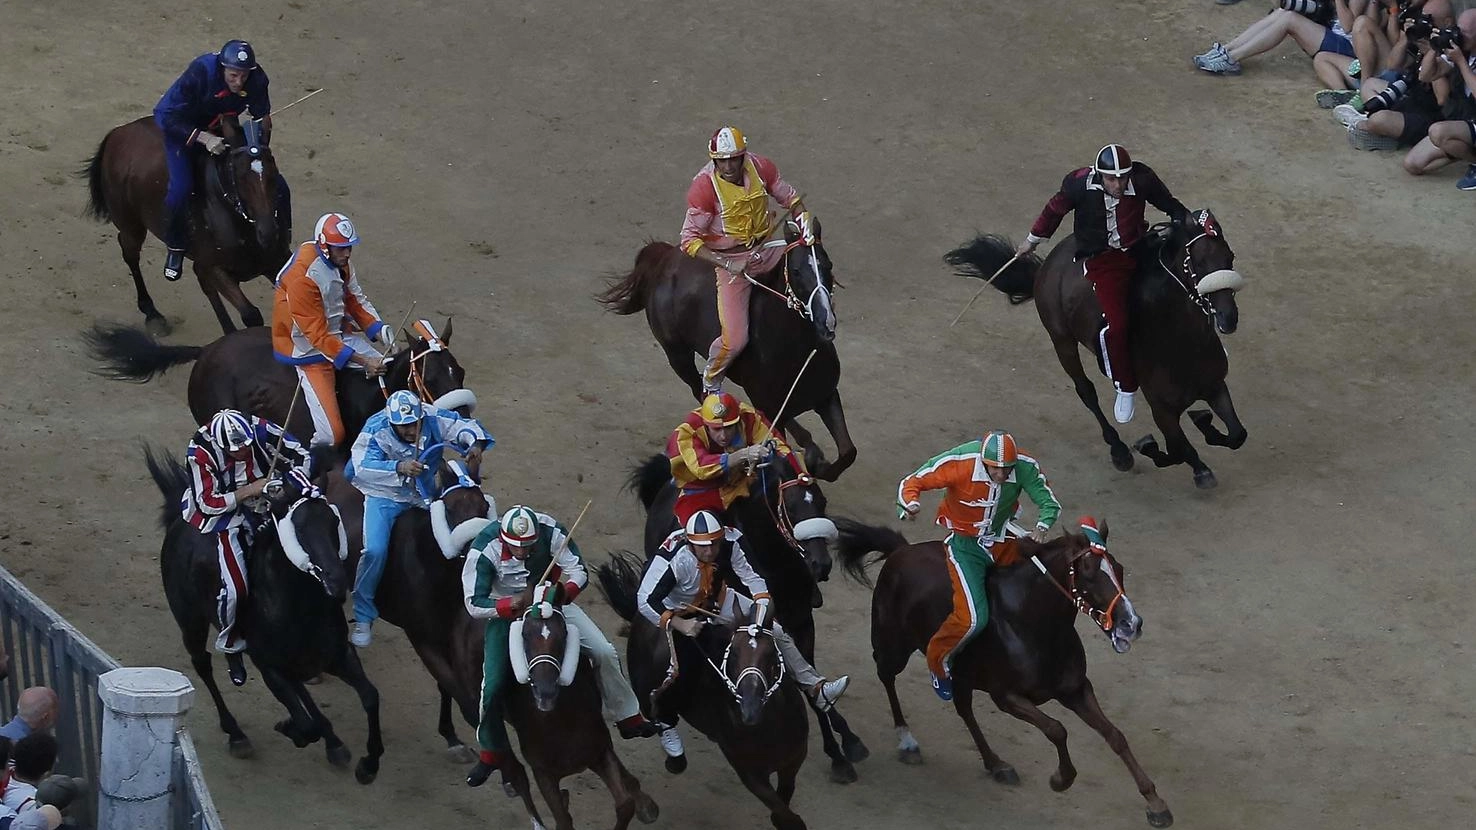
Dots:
(177, 239)
(487, 761)
(827, 692)
(1123, 409)
(671, 744)
(943, 686)
(360, 634)
(235, 668)
(636, 726)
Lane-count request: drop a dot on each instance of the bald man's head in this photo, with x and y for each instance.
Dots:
(1467, 23)
(37, 707)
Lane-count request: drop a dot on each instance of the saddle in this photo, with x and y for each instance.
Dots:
(1146, 252)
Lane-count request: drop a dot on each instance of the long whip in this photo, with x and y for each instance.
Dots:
(980, 292)
(567, 537)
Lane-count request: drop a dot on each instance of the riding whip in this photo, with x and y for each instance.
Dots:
(567, 536)
(277, 453)
(382, 388)
(986, 284)
(794, 386)
(295, 103)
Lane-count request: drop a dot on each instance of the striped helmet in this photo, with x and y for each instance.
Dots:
(998, 450)
(1113, 160)
(704, 528)
(403, 407)
(519, 527)
(334, 230)
(726, 143)
(720, 409)
(230, 430)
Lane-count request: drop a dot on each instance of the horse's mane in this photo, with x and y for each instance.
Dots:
(648, 477)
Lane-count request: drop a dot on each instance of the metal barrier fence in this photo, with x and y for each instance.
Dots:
(46, 650)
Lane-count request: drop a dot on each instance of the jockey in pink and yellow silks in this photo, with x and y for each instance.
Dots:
(728, 220)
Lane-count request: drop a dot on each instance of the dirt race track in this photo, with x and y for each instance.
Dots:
(1306, 660)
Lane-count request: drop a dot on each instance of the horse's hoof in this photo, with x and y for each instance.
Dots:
(855, 749)
(1163, 819)
(158, 326)
(241, 749)
(461, 754)
(1205, 480)
(1005, 775)
(1147, 445)
(1060, 784)
(911, 757)
(339, 756)
(1122, 457)
(509, 790)
(817, 599)
(366, 771)
(623, 630)
(288, 729)
(251, 317)
(315, 680)
(841, 772)
(677, 765)
(647, 811)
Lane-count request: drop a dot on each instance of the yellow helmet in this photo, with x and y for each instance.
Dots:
(726, 143)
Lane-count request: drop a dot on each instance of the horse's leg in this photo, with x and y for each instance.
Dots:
(131, 240)
(1014, 704)
(299, 727)
(456, 751)
(682, 362)
(210, 285)
(1084, 703)
(887, 669)
(1070, 358)
(1000, 770)
(834, 416)
(230, 287)
(613, 773)
(1179, 450)
(555, 797)
(786, 778)
(758, 784)
(348, 669)
(195, 633)
(841, 769)
(1225, 408)
(646, 809)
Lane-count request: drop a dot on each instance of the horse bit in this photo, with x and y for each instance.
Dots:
(753, 632)
(805, 239)
(1074, 593)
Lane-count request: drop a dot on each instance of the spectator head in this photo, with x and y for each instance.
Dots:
(34, 756)
(37, 706)
(5, 746)
(4, 662)
(1441, 12)
(1467, 24)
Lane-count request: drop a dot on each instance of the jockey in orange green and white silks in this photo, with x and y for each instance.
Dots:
(321, 322)
(385, 466)
(728, 220)
(982, 482)
(713, 452)
(684, 579)
(506, 560)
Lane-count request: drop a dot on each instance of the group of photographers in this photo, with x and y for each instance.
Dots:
(1399, 73)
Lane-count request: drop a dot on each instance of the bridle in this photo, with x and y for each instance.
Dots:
(1076, 595)
(780, 514)
(805, 239)
(231, 189)
(754, 631)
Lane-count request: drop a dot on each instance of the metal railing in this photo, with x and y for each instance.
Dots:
(46, 650)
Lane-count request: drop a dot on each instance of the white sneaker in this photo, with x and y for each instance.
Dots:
(671, 742)
(359, 634)
(1347, 115)
(830, 691)
(1123, 410)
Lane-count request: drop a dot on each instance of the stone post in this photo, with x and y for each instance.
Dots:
(142, 711)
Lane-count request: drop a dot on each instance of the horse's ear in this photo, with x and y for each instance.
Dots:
(446, 332)
(1103, 529)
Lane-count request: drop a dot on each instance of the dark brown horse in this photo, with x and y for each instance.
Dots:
(790, 315)
(1184, 292)
(1028, 654)
(293, 619)
(238, 371)
(237, 234)
(556, 709)
(731, 685)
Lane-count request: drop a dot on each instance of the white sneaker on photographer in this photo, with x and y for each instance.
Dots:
(1123, 409)
(1348, 115)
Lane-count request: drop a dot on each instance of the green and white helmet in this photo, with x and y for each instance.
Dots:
(519, 527)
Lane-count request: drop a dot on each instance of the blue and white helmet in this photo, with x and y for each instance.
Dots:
(230, 430)
(704, 528)
(403, 407)
(238, 54)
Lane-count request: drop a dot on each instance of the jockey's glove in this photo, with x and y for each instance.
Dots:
(387, 337)
(212, 142)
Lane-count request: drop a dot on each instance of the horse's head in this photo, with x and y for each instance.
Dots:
(800, 506)
(807, 274)
(250, 176)
(752, 668)
(310, 533)
(1208, 264)
(462, 509)
(544, 651)
(426, 367)
(1095, 581)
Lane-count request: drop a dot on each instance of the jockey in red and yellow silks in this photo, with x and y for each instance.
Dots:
(317, 298)
(727, 221)
(713, 450)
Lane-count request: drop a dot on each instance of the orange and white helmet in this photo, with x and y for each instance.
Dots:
(726, 143)
(334, 230)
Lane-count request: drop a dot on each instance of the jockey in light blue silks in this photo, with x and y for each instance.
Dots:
(385, 465)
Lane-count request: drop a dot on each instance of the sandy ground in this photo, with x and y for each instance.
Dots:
(1307, 655)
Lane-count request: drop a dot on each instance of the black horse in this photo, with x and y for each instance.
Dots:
(1182, 295)
(732, 686)
(787, 537)
(679, 296)
(293, 619)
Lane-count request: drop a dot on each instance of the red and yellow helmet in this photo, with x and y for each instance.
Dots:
(726, 143)
(719, 409)
(998, 450)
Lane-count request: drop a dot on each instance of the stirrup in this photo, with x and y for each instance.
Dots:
(174, 264)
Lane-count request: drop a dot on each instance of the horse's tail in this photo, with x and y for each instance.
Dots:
(986, 255)
(97, 200)
(130, 353)
(171, 478)
(619, 579)
(859, 541)
(649, 477)
(627, 294)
